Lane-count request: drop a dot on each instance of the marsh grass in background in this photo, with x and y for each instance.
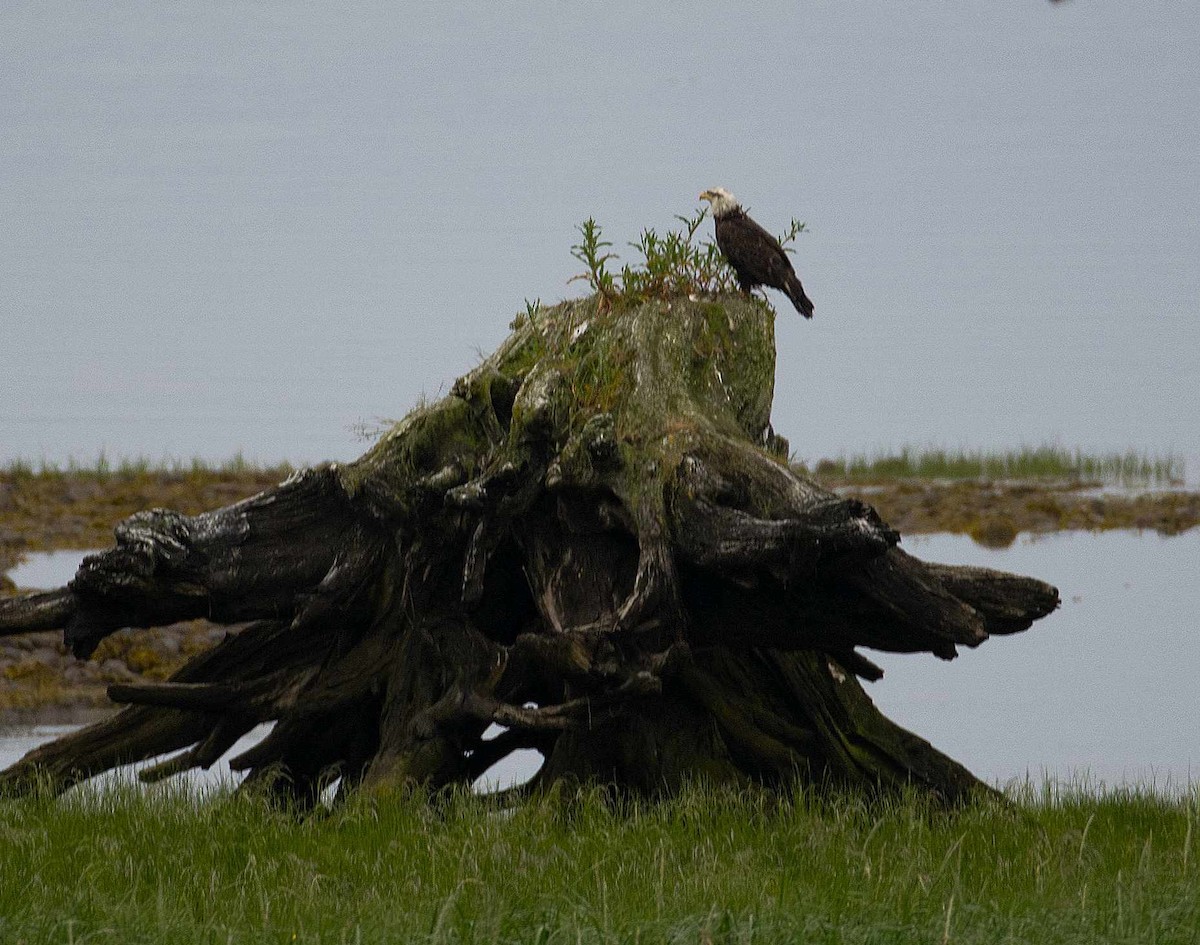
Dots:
(103, 469)
(44, 506)
(1046, 463)
(1057, 865)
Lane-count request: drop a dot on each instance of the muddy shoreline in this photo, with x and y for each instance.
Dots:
(49, 511)
(994, 513)
(40, 683)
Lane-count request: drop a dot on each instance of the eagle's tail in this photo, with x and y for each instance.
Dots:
(795, 292)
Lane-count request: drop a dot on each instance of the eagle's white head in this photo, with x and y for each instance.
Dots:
(722, 201)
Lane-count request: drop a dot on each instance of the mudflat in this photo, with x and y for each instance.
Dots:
(49, 510)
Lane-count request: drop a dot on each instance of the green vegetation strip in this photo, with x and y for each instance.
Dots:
(1034, 463)
(104, 469)
(125, 866)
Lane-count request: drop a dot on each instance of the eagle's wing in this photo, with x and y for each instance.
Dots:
(767, 249)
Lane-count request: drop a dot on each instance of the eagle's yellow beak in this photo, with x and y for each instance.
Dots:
(705, 195)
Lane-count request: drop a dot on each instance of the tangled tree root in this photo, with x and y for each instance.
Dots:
(594, 542)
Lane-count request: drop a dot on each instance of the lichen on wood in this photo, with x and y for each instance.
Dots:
(594, 541)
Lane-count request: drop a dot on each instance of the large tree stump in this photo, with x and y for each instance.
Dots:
(595, 541)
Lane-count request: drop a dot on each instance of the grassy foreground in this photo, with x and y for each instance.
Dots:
(123, 866)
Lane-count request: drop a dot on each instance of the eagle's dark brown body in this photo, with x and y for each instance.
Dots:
(754, 254)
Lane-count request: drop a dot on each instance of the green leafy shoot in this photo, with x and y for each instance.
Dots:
(795, 228)
(590, 252)
(533, 310)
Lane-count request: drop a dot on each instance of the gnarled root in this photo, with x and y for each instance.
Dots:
(588, 544)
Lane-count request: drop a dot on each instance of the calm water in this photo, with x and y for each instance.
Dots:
(1104, 687)
(47, 569)
(250, 228)
(15, 743)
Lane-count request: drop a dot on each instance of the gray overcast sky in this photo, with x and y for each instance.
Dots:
(248, 226)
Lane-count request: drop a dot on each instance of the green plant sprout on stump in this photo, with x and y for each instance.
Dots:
(674, 264)
(594, 542)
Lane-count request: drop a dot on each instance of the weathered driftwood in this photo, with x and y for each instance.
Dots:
(594, 541)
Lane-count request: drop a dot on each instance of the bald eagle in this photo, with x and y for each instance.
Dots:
(754, 254)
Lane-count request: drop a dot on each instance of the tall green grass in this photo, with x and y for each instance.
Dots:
(123, 866)
(1131, 468)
